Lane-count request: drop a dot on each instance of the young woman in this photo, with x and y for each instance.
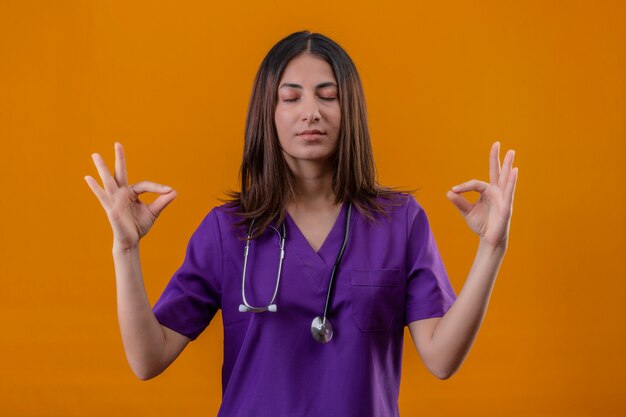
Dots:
(316, 267)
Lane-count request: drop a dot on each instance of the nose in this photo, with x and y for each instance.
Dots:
(310, 108)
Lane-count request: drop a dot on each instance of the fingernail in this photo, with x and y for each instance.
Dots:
(456, 187)
(167, 188)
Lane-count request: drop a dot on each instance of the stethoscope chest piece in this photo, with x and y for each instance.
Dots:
(322, 330)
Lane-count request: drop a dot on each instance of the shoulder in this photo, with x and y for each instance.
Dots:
(390, 212)
(400, 204)
(405, 215)
(225, 210)
(224, 217)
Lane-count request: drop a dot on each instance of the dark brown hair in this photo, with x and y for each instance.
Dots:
(266, 180)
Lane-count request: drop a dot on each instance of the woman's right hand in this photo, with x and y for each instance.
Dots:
(130, 218)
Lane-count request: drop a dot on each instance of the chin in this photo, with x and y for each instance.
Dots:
(319, 157)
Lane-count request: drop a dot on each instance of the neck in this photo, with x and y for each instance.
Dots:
(313, 185)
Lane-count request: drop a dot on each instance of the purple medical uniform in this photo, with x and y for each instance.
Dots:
(391, 274)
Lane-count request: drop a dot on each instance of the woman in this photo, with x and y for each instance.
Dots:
(316, 268)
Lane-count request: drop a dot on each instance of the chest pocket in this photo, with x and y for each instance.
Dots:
(376, 298)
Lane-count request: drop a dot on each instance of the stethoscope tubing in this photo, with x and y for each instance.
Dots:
(245, 307)
(337, 261)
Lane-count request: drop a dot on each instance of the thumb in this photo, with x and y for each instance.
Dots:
(151, 187)
(459, 202)
(161, 202)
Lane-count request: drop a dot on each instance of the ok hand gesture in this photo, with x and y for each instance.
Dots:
(490, 216)
(130, 218)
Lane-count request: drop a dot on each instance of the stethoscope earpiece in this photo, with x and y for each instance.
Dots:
(246, 309)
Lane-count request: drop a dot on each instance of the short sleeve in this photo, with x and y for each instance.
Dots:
(193, 294)
(429, 292)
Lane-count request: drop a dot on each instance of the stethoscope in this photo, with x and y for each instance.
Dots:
(321, 328)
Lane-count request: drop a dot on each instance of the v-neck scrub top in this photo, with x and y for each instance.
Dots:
(391, 274)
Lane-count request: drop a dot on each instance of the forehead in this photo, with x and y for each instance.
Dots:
(307, 69)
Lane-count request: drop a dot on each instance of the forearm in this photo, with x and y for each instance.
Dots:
(455, 332)
(142, 334)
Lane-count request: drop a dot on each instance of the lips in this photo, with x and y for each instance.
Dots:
(310, 132)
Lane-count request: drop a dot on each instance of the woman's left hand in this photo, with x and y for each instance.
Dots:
(490, 216)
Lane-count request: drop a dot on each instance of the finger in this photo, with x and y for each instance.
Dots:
(99, 192)
(120, 165)
(506, 169)
(494, 163)
(107, 180)
(471, 185)
(460, 202)
(509, 191)
(150, 187)
(161, 202)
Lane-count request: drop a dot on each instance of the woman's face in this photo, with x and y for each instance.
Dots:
(307, 113)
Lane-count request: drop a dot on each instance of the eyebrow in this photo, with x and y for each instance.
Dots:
(317, 87)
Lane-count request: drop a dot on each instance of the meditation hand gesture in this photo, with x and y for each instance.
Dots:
(130, 218)
(490, 216)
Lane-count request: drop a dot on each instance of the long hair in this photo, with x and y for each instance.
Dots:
(267, 183)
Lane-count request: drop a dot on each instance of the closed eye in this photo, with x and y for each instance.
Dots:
(290, 100)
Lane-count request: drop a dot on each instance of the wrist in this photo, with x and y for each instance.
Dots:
(490, 248)
(120, 248)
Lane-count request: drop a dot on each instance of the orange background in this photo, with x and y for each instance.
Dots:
(443, 80)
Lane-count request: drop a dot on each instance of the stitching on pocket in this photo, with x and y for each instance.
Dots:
(376, 296)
